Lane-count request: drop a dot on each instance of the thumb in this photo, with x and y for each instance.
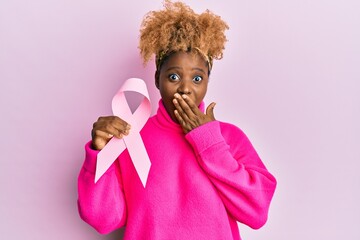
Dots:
(210, 110)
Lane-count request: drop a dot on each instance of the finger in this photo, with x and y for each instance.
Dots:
(113, 120)
(181, 121)
(121, 125)
(111, 130)
(210, 110)
(113, 125)
(104, 135)
(184, 105)
(179, 109)
(194, 108)
(179, 118)
(184, 119)
(100, 139)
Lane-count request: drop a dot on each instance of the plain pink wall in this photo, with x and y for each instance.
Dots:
(289, 79)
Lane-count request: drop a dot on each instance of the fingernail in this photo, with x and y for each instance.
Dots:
(110, 135)
(177, 95)
(184, 96)
(128, 126)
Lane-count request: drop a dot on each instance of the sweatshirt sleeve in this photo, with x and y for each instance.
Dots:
(232, 164)
(102, 205)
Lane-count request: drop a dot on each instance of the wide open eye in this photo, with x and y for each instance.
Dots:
(174, 77)
(197, 79)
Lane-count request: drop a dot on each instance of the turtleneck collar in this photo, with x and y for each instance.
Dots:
(164, 120)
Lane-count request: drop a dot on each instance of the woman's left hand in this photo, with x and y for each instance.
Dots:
(189, 115)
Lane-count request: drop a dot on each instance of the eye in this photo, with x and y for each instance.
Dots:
(197, 79)
(174, 77)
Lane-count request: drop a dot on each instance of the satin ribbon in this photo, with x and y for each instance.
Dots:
(133, 142)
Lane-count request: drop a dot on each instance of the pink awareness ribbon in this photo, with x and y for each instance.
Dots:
(133, 142)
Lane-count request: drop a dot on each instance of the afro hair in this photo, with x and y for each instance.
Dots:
(178, 28)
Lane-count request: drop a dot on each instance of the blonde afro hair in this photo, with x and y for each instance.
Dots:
(179, 28)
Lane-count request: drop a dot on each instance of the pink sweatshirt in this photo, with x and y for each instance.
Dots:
(198, 186)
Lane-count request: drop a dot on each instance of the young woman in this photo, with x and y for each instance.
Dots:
(205, 175)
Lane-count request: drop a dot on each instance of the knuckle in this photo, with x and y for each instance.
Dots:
(112, 119)
(186, 108)
(195, 119)
(119, 120)
(95, 134)
(108, 127)
(100, 119)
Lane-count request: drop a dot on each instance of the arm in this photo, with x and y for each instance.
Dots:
(235, 169)
(102, 205)
(228, 158)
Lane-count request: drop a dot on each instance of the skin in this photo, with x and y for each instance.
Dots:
(182, 81)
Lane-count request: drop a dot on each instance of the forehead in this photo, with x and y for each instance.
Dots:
(185, 59)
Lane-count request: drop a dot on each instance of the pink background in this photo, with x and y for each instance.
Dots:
(289, 79)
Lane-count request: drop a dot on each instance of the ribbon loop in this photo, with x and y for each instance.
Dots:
(133, 141)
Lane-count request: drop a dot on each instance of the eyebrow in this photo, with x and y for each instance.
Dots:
(199, 69)
(196, 68)
(171, 68)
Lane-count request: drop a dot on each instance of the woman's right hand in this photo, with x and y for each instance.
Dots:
(107, 127)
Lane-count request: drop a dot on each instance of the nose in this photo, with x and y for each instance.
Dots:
(184, 87)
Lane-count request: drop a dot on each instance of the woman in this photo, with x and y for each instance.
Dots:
(205, 175)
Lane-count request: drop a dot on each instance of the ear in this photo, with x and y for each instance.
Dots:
(157, 79)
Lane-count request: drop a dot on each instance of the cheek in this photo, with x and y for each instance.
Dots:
(202, 92)
(167, 90)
